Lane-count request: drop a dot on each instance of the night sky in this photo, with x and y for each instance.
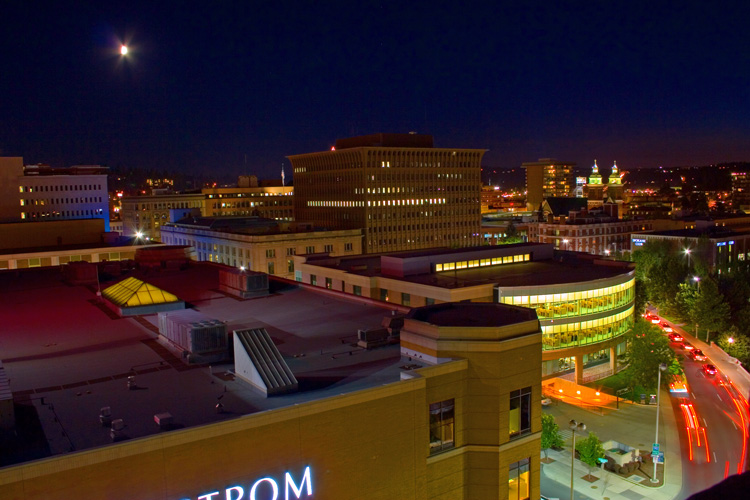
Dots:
(235, 87)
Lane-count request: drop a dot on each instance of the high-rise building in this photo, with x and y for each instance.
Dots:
(740, 190)
(547, 178)
(405, 193)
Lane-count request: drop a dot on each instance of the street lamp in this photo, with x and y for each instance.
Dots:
(662, 368)
(580, 427)
(687, 252)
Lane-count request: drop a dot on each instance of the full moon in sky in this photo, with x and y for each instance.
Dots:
(123, 50)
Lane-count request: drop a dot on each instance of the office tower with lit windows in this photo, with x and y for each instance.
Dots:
(402, 191)
(77, 192)
(548, 178)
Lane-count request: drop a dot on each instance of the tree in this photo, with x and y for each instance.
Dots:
(685, 301)
(739, 347)
(511, 235)
(550, 434)
(711, 310)
(660, 269)
(647, 348)
(590, 449)
(675, 367)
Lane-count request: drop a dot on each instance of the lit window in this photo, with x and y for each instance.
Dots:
(518, 480)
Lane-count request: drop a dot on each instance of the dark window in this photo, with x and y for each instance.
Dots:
(329, 283)
(357, 290)
(313, 279)
(428, 301)
(405, 299)
(290, 265)
(520, 412)
(442, 419)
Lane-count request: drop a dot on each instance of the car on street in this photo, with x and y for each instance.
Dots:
(665, 326)
(650, 317)
(697, 355)
(709, 369)
(675, 337)
(687, 346)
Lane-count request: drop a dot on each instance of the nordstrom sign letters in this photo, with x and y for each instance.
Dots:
(266, 488)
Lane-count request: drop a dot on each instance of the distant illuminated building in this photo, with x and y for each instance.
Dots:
(78, 192)
(595, 188)
(405, 193)
(580, 190)
(741, 191)
(547, 178)
(614, 184)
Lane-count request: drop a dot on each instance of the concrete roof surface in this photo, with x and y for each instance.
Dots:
(59, 342)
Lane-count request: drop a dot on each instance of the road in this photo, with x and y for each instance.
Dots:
(711, 418)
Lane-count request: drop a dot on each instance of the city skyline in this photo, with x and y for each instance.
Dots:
(236, 90)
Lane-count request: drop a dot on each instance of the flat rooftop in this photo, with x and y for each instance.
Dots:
(67, 356)
(711, 232)
(472, 315)
(531, 273)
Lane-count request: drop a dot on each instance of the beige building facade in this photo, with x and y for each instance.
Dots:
(401, 190)
(269, 249)
(547, 178)
(145, 215)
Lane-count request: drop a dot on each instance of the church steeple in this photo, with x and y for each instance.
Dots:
(595, 177)
(614, 177)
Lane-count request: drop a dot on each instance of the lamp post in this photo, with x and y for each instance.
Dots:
(698, 284)
(662, 367)
(580, 427)
(687, 252)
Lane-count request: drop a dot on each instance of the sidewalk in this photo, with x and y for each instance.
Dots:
(632, 425)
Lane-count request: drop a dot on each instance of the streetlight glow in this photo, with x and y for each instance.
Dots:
(124, 50)
(730, 340)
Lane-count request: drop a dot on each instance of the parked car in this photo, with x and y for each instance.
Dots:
(675, 337)
(709, 370)
(697, 355)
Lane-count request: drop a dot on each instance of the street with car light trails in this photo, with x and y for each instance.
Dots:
(712, 421)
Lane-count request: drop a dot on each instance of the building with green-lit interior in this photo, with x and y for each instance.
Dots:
(585, 304)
